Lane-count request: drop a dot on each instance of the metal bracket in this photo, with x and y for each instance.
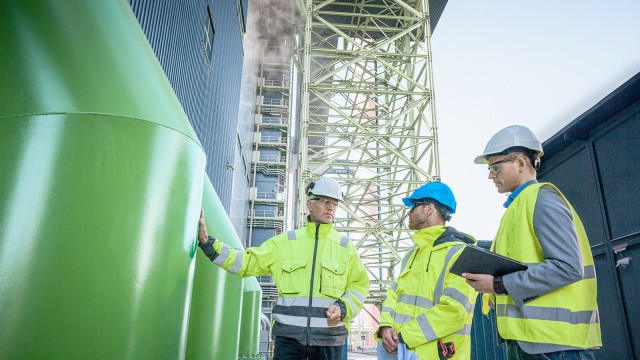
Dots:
(620, 248)
(623, 262)
(617, 251)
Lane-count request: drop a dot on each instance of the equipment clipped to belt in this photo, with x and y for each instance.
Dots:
(446, 350)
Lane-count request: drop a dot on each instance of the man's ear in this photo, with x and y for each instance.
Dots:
(536, 163)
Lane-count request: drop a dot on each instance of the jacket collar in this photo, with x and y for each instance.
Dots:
(323, 229)
(436, 235)
(427, 236)
(451, 234)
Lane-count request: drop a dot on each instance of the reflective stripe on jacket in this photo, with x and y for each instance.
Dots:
(312, 267)
(427, 303)
(567, 316)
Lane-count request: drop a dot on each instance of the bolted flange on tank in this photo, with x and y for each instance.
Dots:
(100, 188)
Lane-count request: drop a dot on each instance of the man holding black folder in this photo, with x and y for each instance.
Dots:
(549, 310)
(428, 311)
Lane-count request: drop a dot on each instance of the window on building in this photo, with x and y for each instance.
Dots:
(209, 35)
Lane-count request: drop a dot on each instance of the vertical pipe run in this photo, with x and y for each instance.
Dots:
(216, 303)
(250, 324)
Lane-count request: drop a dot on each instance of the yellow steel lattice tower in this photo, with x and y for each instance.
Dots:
(367, 118)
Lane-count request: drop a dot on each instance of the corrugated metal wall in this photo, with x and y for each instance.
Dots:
(594, 161)
(208, 91)
(436, 8)
(239, 208)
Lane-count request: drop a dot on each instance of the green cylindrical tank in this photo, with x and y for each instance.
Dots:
(216, 303)
(250, 323)
(100, 188)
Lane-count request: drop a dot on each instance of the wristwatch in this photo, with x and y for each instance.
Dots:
(498, 286)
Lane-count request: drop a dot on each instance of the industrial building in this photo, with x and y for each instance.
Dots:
(120, 120)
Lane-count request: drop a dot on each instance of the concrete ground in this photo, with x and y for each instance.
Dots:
(360, 356)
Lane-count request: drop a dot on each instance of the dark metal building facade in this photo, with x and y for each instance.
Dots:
(594, 161)
(199, 44)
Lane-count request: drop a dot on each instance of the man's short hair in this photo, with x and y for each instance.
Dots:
(528, 154)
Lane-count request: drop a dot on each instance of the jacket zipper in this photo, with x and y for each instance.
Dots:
(313, 269)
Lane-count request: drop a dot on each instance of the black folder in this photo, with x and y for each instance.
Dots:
(477, 260)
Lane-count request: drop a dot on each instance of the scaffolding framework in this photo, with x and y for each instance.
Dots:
(271, 145)
(367, 118)
(270, 160)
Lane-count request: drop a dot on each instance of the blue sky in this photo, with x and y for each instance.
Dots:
(536, 63)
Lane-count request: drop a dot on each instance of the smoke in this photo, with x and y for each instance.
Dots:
(270, 24)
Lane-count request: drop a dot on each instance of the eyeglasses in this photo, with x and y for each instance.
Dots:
(496, 167)
(328, 203)
(414, 205)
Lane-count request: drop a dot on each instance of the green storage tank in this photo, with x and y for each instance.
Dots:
(250, 324)
(100, 188)
(216, 303)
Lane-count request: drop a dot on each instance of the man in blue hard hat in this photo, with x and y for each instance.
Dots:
(321, 281)
(550, 310)
(428, 311)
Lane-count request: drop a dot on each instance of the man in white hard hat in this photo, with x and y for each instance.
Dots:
(321, 280)
(428, 311)
(550, 310)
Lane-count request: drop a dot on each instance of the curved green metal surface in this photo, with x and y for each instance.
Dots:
(83, 57)
(250, 324)
(214, 324)
(100, 188)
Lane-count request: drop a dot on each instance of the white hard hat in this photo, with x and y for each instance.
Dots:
(511, 136)
(325, 186)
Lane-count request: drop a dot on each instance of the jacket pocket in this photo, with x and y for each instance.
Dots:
(292, 276)
(333, 278)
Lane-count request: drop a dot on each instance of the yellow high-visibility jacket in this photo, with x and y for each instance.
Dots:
(312, 267)
(567, 316)
(428, 306)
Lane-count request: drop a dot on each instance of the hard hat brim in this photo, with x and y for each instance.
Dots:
(481, 159)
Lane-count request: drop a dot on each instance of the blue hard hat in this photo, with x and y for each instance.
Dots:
(436, 191)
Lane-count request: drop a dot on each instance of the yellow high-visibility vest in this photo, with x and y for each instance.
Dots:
(566, 316)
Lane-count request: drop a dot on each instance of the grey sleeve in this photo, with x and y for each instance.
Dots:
(562, 265)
